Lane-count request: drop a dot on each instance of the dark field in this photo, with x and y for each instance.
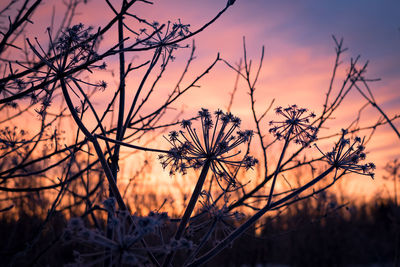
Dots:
(305, 234)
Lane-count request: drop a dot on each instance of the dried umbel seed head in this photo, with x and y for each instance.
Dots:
(347, 154)
(12, 137)
(296, 124)
(123, 247)
(74, 36)
(164, 38)
(219, 212)
(217, 143)
(148, 224)
(182, 243)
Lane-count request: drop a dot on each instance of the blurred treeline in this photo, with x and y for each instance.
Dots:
(320, 231)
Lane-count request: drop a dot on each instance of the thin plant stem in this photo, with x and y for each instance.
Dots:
(278, 167)
(189, 209)
(130, 145)
(372, 101)
(103, 161)
(119, 137)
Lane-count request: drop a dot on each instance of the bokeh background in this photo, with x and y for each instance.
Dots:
(298, 62)
(297, 67)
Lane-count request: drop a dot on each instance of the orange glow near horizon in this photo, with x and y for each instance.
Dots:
(297, 68)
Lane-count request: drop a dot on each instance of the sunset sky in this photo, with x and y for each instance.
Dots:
(299, 53)
(207, 132)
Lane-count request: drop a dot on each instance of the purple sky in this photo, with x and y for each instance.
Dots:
(299, 52)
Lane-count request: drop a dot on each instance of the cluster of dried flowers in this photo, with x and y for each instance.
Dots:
(217, 142)
(217, 148)
(214, 144)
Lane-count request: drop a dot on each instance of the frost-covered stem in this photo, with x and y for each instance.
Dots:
(278, 167)
(189, 209)
(241, 229)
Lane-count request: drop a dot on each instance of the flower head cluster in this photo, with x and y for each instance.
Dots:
(17, 84)
(11, 137)
(217, 143)
(75, 46)
(216, 212)
(346, 155)
(80, 45)
(163, 38)
(124, 246)
(74, 36)
(296, 124)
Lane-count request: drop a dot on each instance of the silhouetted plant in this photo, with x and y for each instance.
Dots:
(100, 222)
